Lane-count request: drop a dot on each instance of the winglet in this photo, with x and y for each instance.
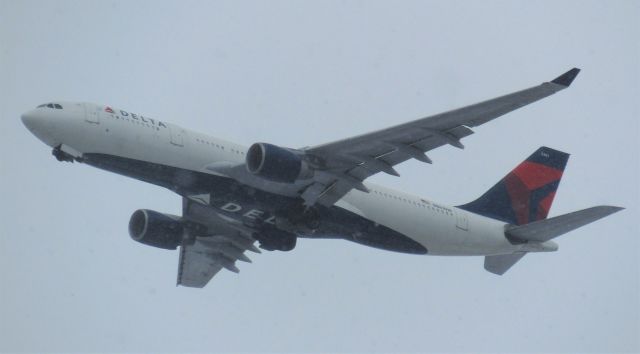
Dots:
(567, 78)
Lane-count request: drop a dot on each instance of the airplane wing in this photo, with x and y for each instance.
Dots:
(344, 164)
(203, 259)
(212, 249)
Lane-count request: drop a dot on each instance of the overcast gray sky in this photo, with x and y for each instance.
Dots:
(302, 73)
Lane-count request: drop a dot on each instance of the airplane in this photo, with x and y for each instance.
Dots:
(234, 196)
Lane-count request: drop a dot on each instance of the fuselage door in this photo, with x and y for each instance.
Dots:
(176, 135)
(461, 220)
(92, 113)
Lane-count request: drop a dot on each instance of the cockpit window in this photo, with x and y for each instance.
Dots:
(50, 105)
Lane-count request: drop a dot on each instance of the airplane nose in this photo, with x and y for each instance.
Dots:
(38, 125)
(29, 119)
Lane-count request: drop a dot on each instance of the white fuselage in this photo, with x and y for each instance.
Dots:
(83, 128)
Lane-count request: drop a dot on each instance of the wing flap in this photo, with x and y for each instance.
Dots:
(195, 268)
(381, 157)
(203, 259)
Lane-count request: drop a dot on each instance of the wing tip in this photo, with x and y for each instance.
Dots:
(610, 209)
(567, 78)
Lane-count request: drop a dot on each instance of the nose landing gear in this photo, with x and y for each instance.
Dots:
(61, 155)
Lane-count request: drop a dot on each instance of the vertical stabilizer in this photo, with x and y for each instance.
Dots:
(526, 193)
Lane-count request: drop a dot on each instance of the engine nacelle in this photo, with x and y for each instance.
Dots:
(156, 229)
(275, 163)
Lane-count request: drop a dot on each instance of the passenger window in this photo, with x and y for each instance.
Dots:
(50, 105)
(58, 106)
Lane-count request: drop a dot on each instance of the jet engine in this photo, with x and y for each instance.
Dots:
(156, 229)
(277, 164)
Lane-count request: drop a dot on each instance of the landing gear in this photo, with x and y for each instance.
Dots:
(302, 220)
(311, 219)
(61, 155)
(276, 240)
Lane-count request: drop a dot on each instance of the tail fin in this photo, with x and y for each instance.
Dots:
(526, 193)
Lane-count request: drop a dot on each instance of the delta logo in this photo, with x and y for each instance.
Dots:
(127, 115)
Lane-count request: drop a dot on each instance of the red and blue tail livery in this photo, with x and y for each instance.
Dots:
(526, 193)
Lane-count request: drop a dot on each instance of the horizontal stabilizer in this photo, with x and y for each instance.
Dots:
(500, 264)
(545, 230)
